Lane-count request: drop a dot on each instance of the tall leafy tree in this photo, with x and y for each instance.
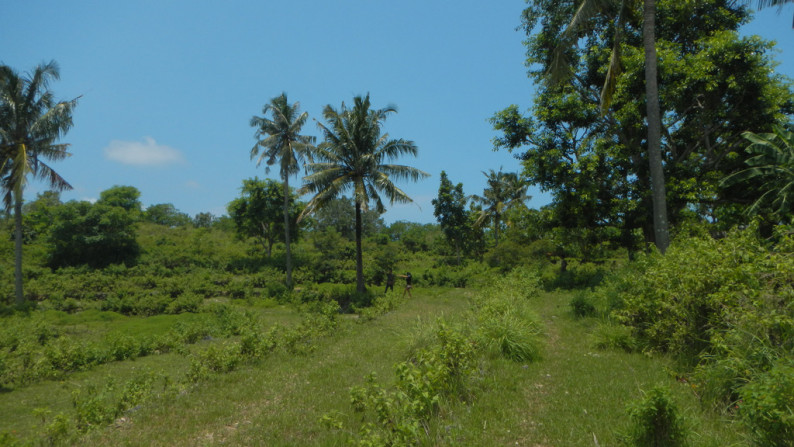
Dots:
(97, 234)
(450, 211)
(280, 141)
(257, 212)
(356, 156)
(584, 15)
(31, 121)
(505, 190)
(166, 214)
(714, 86)
(340, 215)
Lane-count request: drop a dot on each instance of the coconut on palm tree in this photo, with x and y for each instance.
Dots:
(356, 157)
(280, 141)
(31, 120)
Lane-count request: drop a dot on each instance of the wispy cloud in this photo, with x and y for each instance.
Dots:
(146, 153)
(192, 184)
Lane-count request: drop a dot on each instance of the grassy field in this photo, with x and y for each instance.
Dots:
(575, 395)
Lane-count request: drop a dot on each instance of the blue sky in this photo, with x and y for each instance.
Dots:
(168, 87)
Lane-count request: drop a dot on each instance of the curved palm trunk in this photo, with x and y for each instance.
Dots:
(20, 297)
(286, 232)
(360, 286)
(660, 226)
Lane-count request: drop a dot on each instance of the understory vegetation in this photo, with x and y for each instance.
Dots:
(723, 309)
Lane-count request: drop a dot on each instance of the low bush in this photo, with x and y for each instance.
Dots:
(400, 415)
(582, 305)
(610, 335)
(656, 422)
(576, 275)
(767, 406)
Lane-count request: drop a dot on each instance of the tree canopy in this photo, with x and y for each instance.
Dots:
(714, 85)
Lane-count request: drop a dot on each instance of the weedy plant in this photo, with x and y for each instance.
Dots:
(656, 422)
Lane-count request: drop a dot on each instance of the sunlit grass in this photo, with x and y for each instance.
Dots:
(575, 395)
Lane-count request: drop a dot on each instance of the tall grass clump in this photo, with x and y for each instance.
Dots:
(506, 324)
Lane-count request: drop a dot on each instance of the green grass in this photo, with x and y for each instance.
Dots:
(575, 394)
(280, 401)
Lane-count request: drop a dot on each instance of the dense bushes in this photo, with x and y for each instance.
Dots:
(725, 309)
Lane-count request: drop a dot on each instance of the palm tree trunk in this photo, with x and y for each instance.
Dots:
(660, 226)
(496, 231)
(360, 287)
(20, 297)
(286, 232)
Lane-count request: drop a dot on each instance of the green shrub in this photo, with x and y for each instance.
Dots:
(342, 294)
(187, 302)
(215, 359)
(722, 307)
(582, 305)
(609, 335)
(400, 415)
(656, 422)
(767, 406)
(95, 407)
(276, 289)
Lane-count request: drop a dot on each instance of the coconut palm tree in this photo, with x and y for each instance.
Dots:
(30, 123)
(772, 162)
(280, 142)
(505, 190)
(779, 3)
(355, 156)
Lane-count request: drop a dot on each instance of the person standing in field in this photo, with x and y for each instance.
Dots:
(390, 281)
(408, 284)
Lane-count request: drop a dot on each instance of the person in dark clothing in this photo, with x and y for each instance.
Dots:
(408, 284)
(390, 281)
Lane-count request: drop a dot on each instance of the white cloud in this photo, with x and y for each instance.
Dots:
(192, 184)
(89, 199)
(146, 153)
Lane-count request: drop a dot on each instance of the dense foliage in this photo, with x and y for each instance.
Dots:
(714, 85)
(727, 317)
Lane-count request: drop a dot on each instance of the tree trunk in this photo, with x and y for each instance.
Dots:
(360, 287)
(661, 231)
(286, 232)
(20, 297)
(496, 231)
